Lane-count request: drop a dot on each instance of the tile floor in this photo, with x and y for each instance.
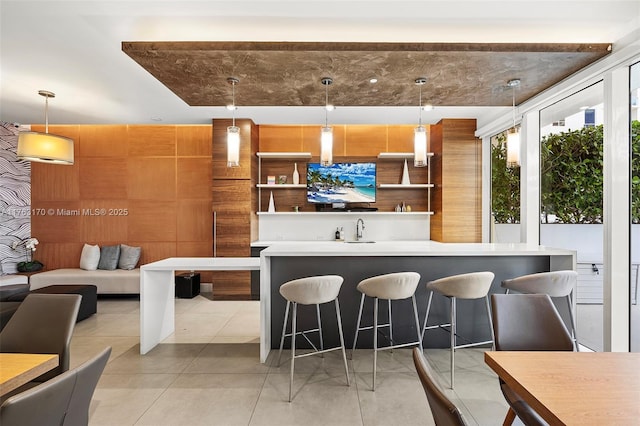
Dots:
(208, 373)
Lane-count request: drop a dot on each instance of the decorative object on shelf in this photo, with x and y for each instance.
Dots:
(30, 265)
(45, 147)
(271, 180)
(282, 179)
(296, 175)
(405, 174)
(420, 133)
(408, 208)
(233, 132)
(326, 133)
(272, 204)
(513, 135)
(296, 209)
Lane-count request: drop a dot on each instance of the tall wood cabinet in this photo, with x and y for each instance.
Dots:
(234, 203)
(457, 168)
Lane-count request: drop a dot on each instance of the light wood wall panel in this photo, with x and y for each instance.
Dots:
(151, 141)
(103, 141)
(194, 141)
(400, 138)
(365, 140)
(151, 178)
(103, 178)
(281, 138)
(104, 224)
(125, 186)
(194, 178)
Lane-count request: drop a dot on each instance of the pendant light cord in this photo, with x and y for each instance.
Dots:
(233, 104)
(46, 114)
(326, 105)
(513, 91)
(420, 105)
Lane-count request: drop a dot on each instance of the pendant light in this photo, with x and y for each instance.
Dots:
(513, 135)
(45, 147)
(326, 133)
(420, 133)
(233, 132)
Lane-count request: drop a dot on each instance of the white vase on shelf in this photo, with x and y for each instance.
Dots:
(296, 175)
(272, 205)
(405, 174)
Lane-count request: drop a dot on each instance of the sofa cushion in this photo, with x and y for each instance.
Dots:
(129, 257)
(109, 256)
(90, 257)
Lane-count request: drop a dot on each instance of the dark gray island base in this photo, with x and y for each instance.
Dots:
(281, 265)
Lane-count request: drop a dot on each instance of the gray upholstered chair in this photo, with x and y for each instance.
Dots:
(62, 401)
(87, 375)
(444, 412)
(555, 284)
(43, 324)
(526, 322)
(474, 285)
(311, 291)
(394, 286)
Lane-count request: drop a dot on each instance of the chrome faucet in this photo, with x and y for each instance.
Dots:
(359, 229)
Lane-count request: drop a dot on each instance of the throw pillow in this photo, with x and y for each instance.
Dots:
(129, 256)
(109, 256)
(90, 257)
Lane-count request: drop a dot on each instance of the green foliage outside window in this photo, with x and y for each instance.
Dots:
(571, 178)
(505, 184)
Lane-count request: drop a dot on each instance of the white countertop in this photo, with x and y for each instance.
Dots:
(407, 248)
(204, 264)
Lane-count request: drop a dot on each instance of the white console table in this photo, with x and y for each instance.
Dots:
(157, 294)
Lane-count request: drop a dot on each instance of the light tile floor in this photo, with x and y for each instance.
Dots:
(208, 373)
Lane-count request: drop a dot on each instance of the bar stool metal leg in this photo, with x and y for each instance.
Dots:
(426, 316)
(574, 335)
(493, 337)
(415, 312)
(293, 347)
(355, 339)
(390, 325)
(375, 340)
(284, 330)
(344, 352)
(320, 329)
(453, 337)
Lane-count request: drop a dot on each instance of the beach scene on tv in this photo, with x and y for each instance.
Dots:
(341, 183)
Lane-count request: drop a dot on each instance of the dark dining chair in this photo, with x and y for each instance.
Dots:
(62, 401)
(88, 375)
(526, 322)
(444, 412)
(42, 324)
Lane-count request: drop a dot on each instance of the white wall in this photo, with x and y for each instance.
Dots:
(317, 226)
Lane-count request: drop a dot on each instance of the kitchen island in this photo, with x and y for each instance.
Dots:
(284, 261)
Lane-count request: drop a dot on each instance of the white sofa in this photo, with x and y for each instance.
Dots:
(117, 281)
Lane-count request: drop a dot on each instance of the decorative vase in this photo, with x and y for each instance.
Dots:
(405, 174)
(296, 175)
(31, 266)
(272, 205)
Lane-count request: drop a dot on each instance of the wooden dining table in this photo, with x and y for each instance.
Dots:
(17, 369)
(574, 388)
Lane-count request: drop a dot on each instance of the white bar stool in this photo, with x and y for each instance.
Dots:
(311, 291)
(554, 284)
(474, 285)
(395, 286)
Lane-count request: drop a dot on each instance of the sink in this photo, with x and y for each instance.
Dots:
(360, 241)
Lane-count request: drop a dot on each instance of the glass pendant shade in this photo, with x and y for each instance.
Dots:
(233, 146)
(326, 146)
(45, 148)
(513, 148)
(420, 147)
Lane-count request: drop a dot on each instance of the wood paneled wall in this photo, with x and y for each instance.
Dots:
(456, 168)
(350, 143)
(147, 186)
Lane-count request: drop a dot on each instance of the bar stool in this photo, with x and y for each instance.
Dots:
(395, 286)
(474, 285)
(311, 291)
(553, 284)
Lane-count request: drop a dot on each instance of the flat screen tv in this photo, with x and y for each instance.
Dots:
(341, 183)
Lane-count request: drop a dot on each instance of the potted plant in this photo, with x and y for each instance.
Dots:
(30, 265)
